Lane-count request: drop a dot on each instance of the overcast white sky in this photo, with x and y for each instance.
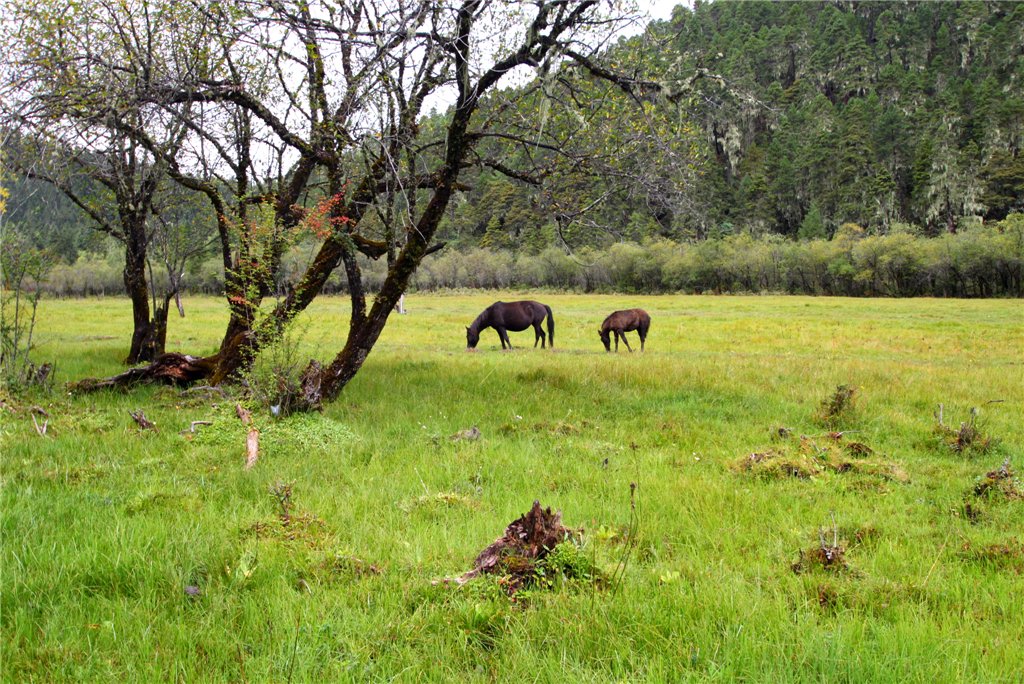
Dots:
(662, 9)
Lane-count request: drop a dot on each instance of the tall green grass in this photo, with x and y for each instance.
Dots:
(104, 527)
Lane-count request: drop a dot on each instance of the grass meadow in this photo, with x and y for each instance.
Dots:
(133, 555)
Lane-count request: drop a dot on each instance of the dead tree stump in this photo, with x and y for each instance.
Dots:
(526, 540)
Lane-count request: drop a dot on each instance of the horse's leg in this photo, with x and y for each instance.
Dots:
(643, 337)
(626, 342)
(617, 333)
(538, 335)
(504, 338)
(501, 336)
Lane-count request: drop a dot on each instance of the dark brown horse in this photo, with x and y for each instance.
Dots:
(622, 322)
(514, 316)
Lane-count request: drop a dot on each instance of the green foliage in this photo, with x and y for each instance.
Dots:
(274, 377)
(872, 114)
(22, 270)
(1004, 184)
(813, 225)
(983, 261)
(51, 220)
(569, 562)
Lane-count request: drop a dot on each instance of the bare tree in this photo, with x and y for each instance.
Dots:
(312, 114)
(351, 89)
(69, 104)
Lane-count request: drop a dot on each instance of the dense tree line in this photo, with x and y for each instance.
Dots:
(980, 261)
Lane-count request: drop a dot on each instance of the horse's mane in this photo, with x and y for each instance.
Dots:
(475, 325)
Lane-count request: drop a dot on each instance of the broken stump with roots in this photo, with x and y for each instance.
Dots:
(526, 541)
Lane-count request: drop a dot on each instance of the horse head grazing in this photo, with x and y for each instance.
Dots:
(621, 322)
(472, 338)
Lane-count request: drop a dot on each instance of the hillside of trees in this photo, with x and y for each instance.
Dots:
(817, 114)
(831, 147)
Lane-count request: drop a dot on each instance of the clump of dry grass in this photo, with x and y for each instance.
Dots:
(827, 556)
(304, 528)
(1001, 482)
(828, 598)
(864, 535)
(558, 428)
(1008, 555)
(335, 568)
(776, 463)
(837, 409)
(472, 434)
(967, 439)
(439, 500)
(808, 456)
(999, 485)
(349, 566)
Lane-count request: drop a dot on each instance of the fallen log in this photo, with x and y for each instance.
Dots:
(167, 369)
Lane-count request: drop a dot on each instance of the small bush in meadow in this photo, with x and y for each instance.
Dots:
(838, 409)
(968, 439)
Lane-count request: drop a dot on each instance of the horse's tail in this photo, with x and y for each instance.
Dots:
(551, 327)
